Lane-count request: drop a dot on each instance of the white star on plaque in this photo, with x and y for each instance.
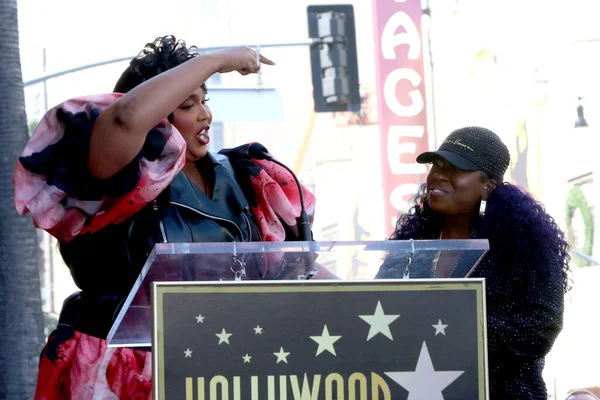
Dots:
(199, 319)
(380, 323)
(424, 382)
(188, 353)
(282, 355)
(440, 328)
(325, 341)
(258, 330)
(247, 358)
(223, 336)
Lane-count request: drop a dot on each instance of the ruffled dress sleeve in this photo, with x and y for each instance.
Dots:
(52, 182)
(272, 192)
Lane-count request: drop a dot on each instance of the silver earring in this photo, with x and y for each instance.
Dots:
(483, 203)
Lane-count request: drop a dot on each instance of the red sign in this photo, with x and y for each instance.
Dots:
(401, 102)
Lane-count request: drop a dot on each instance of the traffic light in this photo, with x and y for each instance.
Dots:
(333, 58)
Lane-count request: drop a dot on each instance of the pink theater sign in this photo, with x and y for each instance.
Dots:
(402, 102)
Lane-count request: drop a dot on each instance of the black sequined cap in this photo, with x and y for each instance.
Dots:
(472, 149)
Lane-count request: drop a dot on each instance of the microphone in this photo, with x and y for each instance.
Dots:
(260, 152)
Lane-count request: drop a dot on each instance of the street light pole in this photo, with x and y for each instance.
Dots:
(45, 77)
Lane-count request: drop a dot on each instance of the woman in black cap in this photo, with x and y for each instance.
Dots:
(526, 269)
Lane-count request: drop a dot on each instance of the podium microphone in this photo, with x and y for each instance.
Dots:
(259, 152)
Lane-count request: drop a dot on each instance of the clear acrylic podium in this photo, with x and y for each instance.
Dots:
(272, 261)
(231, 319)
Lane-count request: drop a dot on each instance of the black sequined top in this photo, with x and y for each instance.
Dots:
(524, 317)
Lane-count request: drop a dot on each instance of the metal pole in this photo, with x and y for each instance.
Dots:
(45, 77)
(45, 88)
(46, 242)
(431, 93)
(586, 257)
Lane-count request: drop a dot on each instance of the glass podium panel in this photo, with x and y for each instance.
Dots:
(352, 260)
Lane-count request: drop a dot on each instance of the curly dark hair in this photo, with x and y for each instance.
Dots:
(159, 56)
(515, 223)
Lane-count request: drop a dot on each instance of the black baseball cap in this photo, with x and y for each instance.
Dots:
(472, 148)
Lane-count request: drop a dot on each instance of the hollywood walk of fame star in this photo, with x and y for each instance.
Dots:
(380, 322)
(223, 336)
(325, 341)
(424, 382)
(440, 328)
(282, 355)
